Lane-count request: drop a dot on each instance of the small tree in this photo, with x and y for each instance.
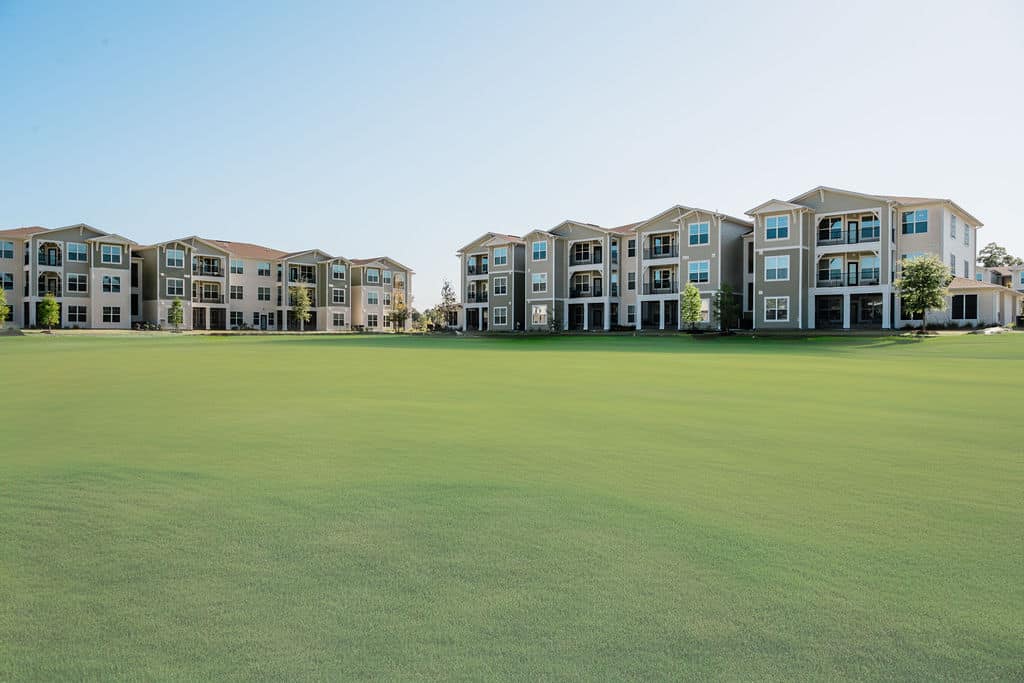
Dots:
(725, 307)
(447, 306)
(48, 312)
(301, 305)
(922, 286)
(5, 310)
(992, 255)
(399, 311)
(176, 315)
(690, 305)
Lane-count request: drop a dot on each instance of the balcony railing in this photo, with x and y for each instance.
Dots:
(661, 287)
(581, 292)
(56, 291)
(591, 260)
(671, 251)
(847, 280)
(54, 261)
(859, 236)
(207, 272)
(207, 299)
(476, 270)
(476, 297)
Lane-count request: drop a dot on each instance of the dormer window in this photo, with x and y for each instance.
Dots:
(776, 227)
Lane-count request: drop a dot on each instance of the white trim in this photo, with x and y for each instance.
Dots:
(765, 277)
(766, 298)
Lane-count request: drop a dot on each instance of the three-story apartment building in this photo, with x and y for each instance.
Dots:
(492, 271)
(87, 270)
(377, 285)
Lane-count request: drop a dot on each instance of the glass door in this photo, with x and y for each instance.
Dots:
(851, 273)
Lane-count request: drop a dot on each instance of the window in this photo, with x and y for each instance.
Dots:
(700, 271)
(175, 258)
(76, 314)
(500, 287)
(111, 253)
(237, 319)
(387, 298)
(631, 248)
(76, 252)
(539, 282)
(776, 268)
(387, 320)
(78, 283)
(952, 264)
(662, 278)
(372, 299)
(631, 314)
(631, 280)
(338, 295)
(870, 269)
(539, 315)
(338, 319)
(776, 308)
(965, 307)
(699, 233)
(112, 314)
(237, 267)
(1021, 279)
(501, 315)
(870, 228)
(967, 236)
(776, 227)
(263, 269)
(263, 293)
(500, 256)
(372, 277)
(371, 320)
(8, 281)
(337, 271)
(175, 287)
(967, 268)
(387, 277)
(540, 250)
(237, 292)
(977, 276)
(112, 283)
(615, 251)
(915, 222)
(256, 319)
(952, 226)
(7, 250)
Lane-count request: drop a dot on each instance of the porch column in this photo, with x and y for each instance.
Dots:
(565, 317)
(607, 316)
(661, 314)
(586, 317)
(886, 317)
(846, 311)
(638, 319)
(479, 320)
(812, 311)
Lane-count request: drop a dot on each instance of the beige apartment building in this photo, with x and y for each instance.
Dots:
(377, 285)
(93, 275)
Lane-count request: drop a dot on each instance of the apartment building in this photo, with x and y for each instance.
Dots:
(92, 274)
(377, 284)
(582, 276)
(829, 258)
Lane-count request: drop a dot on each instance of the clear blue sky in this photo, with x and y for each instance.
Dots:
(409, 129)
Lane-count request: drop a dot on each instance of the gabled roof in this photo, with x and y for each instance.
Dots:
(734, 219)
(380, 261)
(318, 253)
(487, 237)
(247, 250)
(110, 237)
(657, 217)
(775, 205)
(22, 233)
(901, 200)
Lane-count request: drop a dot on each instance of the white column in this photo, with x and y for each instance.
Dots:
(846, 311)
(480, 320)
(639, 313)
(607, 315)
(885, 311)
(661, 315)
(811, 311)
(586, 317)
(565, 316)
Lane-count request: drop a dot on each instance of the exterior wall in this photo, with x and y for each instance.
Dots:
(546, 267)
(16, 295)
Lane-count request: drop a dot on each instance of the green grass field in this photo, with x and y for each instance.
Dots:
(211, 508)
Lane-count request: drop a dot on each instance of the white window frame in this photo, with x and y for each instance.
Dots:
(372, 320)
(539, 314)
(372, 276)
(544, 247)
(776, 227)
(503, 261)
(952, 225)
(538, 279)
(109, 283)
(334, 295)
(705, 233)
(109, 251)
(334, 320)
(236, 266)
(776, 259)
(372, 299)
(503, 287)
(76, 310)
(231, 293)
(4, 279)
(776, 299)
(73, 255)
(110, 312)
(260, 292)
(690, 273)
(387, 277)
(181, 285)
(175, 264)
(503, 314)
(338, 271)
(262, 271)
(387, 299)
(81, 281)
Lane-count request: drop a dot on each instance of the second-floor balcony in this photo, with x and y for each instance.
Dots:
(666, 251)
(593, 258)
(836, 236)
(208, 298)
(207, 271)
(475, 269)
(52, 259)
(661, 287)
(476, 297)
(865, 278)
(578, 292)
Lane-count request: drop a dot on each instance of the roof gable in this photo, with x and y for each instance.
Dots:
(773, 205)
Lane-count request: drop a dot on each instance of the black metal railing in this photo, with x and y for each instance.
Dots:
(582, 292)
(476, 270)
(593, 259)
(208, 299)
(670, 251)
(476, 297)
(207, 272)
(847, 280)
(54, 261)
(55, 291)
(661, 287)
(858, 236)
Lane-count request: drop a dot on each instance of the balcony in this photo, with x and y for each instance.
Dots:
(207, 271)
(671, 251)
(592, 259)
(476, 297)
(51, 260)
(207, 298)
(476, 270)
(583, 292)
(848, 279)
(661, 287)
(55, 291)
(828, 238)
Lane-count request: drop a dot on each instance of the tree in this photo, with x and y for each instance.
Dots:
(690, 305)
(399, 311)
(301, 305)
(176, 315)
(922, 286)
(447, 306)
(5, 310)
(48, 312)
(725, 307)
(992, 255)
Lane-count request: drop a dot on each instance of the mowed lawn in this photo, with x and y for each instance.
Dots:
(572, 508)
